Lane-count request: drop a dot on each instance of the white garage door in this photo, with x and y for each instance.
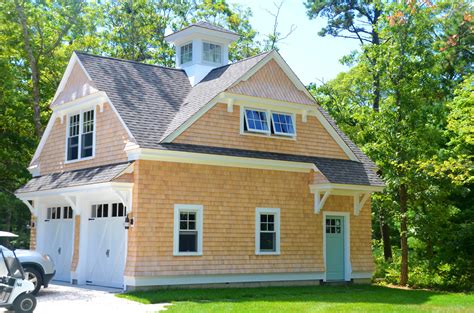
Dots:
(58, 240)
(106, 245)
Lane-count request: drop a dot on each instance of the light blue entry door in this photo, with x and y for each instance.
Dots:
(334, 248)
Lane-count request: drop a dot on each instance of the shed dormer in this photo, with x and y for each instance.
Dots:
(200, 48)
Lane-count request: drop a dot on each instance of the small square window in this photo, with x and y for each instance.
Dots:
(283, 124)
(211, 52)
(256, 121)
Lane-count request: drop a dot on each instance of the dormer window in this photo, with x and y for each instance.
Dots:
(268, 122)
(80, 135)
(211, 52)
(186, 53)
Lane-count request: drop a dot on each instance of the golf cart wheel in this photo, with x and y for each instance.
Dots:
(24, 303)
(34, 276)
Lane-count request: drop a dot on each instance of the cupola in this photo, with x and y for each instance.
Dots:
(200, 48)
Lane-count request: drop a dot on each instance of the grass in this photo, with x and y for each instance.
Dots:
(306, 299)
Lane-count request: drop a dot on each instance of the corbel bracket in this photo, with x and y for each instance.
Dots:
(320, 201)
(359, 202)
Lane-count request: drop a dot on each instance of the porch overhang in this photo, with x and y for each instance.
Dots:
(121, 190)
(361, 194)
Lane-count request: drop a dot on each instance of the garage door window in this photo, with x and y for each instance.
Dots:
(104, 210)
(188, 229)
(57, 213)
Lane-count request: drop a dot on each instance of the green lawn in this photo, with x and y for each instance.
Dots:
(307, 299)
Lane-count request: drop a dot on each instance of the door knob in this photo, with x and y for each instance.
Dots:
(107, 253)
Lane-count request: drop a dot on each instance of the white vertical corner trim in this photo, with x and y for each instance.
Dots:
(258, 212)
(199, 210)
(347, 243)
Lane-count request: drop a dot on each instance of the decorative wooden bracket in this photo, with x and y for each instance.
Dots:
(359, 202)
(72, 203)
(101, 107)
(30, 206)
(230, 105)
(124, 198)
(318, 201)
(304, 116)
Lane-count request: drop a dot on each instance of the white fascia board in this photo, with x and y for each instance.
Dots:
(350, 189)
(218, 160)
(187, 34)
(72, 61)
(266, 103)
(75, 189)
(44, 137)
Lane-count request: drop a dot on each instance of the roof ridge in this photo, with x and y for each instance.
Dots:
(128, 61)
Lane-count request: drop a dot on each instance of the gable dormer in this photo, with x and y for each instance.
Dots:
(200, 48)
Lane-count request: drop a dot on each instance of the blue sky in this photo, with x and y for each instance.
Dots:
(312, 57)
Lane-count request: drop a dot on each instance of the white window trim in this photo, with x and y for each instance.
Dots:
(269, 121)
(81, 119)
(258, 212)
(181, 56)
(199, 214)
(292, 115)
(212, 43)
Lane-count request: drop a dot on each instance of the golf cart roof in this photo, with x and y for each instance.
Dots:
(7, 234)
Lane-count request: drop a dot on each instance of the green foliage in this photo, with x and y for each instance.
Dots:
(422, 136)
(423, 274)
(37, 39)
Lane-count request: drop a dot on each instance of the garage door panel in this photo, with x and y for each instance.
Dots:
(106, 245)
(58, 230)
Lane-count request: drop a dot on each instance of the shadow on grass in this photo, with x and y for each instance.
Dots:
(330, 294)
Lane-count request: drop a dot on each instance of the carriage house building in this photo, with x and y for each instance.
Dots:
(208, 173)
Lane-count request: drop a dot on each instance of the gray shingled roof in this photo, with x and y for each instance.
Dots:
(337, 171)
(94, 175)
(147, 97)
(154, 101)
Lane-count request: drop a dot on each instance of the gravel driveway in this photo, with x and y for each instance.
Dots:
(88, 299)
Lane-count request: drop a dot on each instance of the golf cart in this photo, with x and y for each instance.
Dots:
(15, 290)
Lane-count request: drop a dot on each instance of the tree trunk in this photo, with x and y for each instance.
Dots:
(387, 246)
(403, 234)
(35, 76)
(376, 75)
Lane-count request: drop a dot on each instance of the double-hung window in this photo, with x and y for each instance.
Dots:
(188, 229)
(268, 122)
(186, 52)
(211, 52)
(267, 231)
(80, 135)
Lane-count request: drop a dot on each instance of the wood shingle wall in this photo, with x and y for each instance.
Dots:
(230, 197)
(220, 128)
(111, 138)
